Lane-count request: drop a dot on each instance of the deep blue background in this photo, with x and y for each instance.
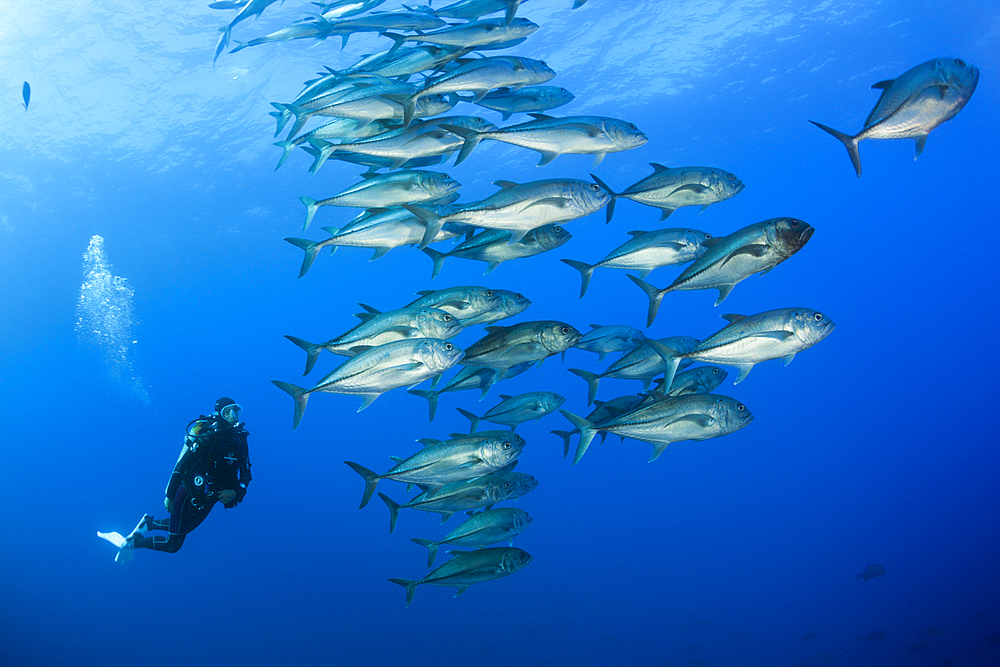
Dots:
(877, 446)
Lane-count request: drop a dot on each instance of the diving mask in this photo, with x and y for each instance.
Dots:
(231, 413)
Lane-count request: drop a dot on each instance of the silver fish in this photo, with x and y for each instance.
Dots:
(749, 340)
(603, 340)
(514, 410)
(509, 304)
(338, 128)
(757, 248)
(471, 10)
(470, 567)
(914, 104)
(454, 460)
(446, 499)
(482, 529)
(493, 247)
(701, 380)
(385, 190)
(251, 8)
(552, 137)
(643, 363)
(529, 99)
(380, 328)
(380, 22)
(465, 302)
(691, 417)
(504, 347)
(376, 371)
(668, 189)
(871, 571)
(473, 35)
(469, 377)
(481, 76)
(647, 251)
(406, 62)
(521, 207)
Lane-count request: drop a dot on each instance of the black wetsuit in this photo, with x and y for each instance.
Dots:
(214, 461)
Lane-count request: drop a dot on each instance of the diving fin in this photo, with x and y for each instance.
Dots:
(125, 548)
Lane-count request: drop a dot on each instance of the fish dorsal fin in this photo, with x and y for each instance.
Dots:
(495, 329)
(396, 459)
(919, 147)
(714, 241)
(657, 167)
(637, 233)
(365, 317)
(884, 85)
(595, 326)
(505, 185)
(370, 309)
(540, 116)
(457, 435)
(733, 318)
(428, 442)
(504, 397)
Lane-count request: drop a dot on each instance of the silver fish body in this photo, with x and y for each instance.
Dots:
(376, 371)
(514, 410)
(757, 248)
(670, 188)
(446, 499)
(485, 32)
(914, 104)
(749, 340)
(530, 99)
(470, 567)
(643, 363)
(700, 380)
(690, 417)
(552, 137)
(604, 411)
(493, 247)
(647, 251)
(469, 378)
(501, 524)
(386, 190)
(504, 347)
(465, 302)
(440, 463)
(603, 340)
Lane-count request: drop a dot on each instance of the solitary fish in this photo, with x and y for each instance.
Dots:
(502, 524)
(470, 567)
(914, 104)
(26, 94)
(746, 341)
(872, 571)
(668, 189)
(757, 248)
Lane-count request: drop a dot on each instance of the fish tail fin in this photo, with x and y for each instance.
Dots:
(432, 400)
(281, 116)
(614, 197)
(393, 510)
(438, 259)
(300, 395)
(311, 249)
(565, 437)
(410, 585)
(655, 297)
(851, 143)
(371, 481)
(472, 418)
(286, 146)
(312, 351)
(311, 206)
(671, 360)
(586, 273)
(321, 151)
(432, 549)
(472, 139)
(587, 432)
(593, 379)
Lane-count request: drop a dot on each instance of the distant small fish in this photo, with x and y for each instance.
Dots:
(470, 567)
(914, 104)
(872, 571)
(26, 94)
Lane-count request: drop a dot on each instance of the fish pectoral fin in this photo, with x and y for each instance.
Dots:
(696, 188)
(403, 330)
(780, 336)
(558, 202)
(704, 421)
(410, 366)
(358, 349)
(754, 250)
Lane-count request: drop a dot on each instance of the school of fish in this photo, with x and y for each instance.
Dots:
(385, 114)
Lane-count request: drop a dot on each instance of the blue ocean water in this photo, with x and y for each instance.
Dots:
(878, 445)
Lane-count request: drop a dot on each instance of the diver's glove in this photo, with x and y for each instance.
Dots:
(169, 505)
(226, 496)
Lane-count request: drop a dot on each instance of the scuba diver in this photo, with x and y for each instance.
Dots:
(214, 466)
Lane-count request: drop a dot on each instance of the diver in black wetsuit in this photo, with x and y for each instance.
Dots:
(214, 466)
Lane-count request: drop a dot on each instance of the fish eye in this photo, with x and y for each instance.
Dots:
(708, 236)
(715, 371)
(557, 228)
(818, 317)
(480, 120)
(445, 176)
(447, 317)
(960, 63)
(506, 485)
(506, 445)
(565, 330)
(595, 187)
(489, 292)
(795, 223)
(741, 407)
(518, 295)
(632, 126)
(449, 347)
(732, 177)
(544, 64)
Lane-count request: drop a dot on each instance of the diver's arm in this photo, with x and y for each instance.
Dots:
(244, 472)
